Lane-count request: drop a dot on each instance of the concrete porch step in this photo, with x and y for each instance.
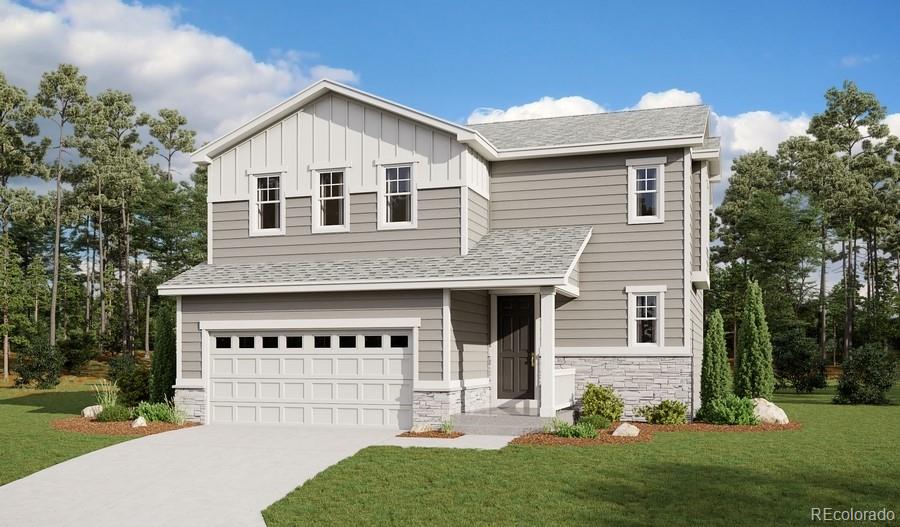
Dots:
(496, 421)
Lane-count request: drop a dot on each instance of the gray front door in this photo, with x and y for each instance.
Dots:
(515, 347)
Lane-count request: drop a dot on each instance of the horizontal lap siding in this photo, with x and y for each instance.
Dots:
(425, 305)
(696, 219)
(479, 217)
(592, 190)
(697, 329)
(470, 334)
(438, 232)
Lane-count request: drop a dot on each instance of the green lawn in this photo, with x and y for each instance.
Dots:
(27, 441)
(845, 456)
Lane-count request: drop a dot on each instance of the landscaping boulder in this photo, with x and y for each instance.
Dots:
(768, 412)
(418, 429)
(91, 412)
(626, 430)
(139, 422)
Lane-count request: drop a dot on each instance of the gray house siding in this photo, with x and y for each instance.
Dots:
(479, 217)
(470, 334)
(438, 232)
(592, 190)
(697, 329)
(424, 304)
(696, 218)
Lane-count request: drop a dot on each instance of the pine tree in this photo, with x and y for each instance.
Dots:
(755, 377)
(715, 376)
(162, 370)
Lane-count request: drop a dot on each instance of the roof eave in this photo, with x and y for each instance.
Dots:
(597, 148)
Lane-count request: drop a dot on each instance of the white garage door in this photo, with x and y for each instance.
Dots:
(361, 377)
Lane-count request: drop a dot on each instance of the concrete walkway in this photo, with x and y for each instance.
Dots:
(481, 442)
(204, 476)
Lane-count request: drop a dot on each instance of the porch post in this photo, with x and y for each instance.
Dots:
(547, 354)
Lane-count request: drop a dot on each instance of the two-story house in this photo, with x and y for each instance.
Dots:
(370, 264)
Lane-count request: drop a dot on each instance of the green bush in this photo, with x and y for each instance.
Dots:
(797, 362)
(600, 400)
(119, 366)
(729, 410)
(868, 375)
(667, 412)
(77, 350)
(583, 429)
(165, 412)
(755, 377)
(599, 422)
(134, 385)
(162, 369)
(115, 413)
(38, 363)
(715, 374)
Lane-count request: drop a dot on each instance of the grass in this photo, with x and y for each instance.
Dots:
(28, 441)
(845, 456)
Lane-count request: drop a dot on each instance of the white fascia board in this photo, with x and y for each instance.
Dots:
(578, 254)
(623, 351)
(700, 279)
(473, 283)
(311, 323)
(592, 148)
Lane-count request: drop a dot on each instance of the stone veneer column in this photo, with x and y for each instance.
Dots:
(192, 399)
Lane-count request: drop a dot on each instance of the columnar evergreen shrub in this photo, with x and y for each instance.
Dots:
(868, 375)
(715, 375)
(600, 400)
(755, 377)
(162, 370)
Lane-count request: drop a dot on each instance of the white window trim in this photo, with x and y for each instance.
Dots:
(660, 291)
(316, 220)
(659, 163)
(254, 193)
(383, 224)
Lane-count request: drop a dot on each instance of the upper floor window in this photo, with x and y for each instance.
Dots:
(331, 208)
(267, 209)
(646, 309)
(397, 201)
(646, 190)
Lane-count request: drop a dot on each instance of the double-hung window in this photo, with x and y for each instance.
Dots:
(397, 198)
(646, 309)
(267, 210)
(332, 214)
(646, 190)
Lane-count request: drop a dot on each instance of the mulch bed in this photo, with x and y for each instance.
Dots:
(83, 425)
(437, 434)
(605, 437)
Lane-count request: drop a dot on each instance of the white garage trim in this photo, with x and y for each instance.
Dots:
(306, 323)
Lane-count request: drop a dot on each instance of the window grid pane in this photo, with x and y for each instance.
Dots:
(398, 194)
(646, 320)
(331, 198)
(646, 191)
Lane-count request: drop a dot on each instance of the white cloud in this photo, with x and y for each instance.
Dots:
(147, 51)
(668, 98)
(893, 122)
(544, 107)
(852, 61)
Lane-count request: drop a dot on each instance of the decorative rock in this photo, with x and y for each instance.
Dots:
(421, 428)
(91, 411)
(139, 422)
(768, 412)
(626, 430)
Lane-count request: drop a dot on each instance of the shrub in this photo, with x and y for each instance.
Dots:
(119, 366)
(668, 412)
(715, 374)
(599, 422)
(38, 363)
(162, 369)
(134, 385)
(729, 410)
(115, 413)
(77, 350)
(107, 393)
(446, 427)
(797, 362)
(868, 375)
(581, 430)
(165, 412)
(754, 359)
(600, 400)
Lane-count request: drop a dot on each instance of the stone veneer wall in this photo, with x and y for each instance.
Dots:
(193, 402)
(433, 408)
(638, 380)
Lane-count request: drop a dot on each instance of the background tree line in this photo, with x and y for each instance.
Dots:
(79, 265)
(830, 197)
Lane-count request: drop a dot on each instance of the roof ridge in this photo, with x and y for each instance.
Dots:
(634, 110)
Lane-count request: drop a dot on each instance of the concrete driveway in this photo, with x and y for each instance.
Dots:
(208, 475)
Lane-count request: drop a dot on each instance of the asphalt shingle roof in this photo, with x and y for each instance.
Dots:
(632, 125)
(710, 143)
(502, 253)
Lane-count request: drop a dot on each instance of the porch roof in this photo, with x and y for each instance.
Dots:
(503, 258)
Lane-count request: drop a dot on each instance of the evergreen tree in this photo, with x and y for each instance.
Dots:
(715, 375)
(755, 377)
(162, 370)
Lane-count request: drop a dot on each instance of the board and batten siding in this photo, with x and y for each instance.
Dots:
(469, 335)
(479, 218)
(437, 233)
(333, 131)
(592, 190)
(423, 304)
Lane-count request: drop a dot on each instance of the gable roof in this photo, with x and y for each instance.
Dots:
(601, 128)
(553, 136)
(504, 257)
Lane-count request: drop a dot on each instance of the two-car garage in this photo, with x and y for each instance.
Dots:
(313, 377)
